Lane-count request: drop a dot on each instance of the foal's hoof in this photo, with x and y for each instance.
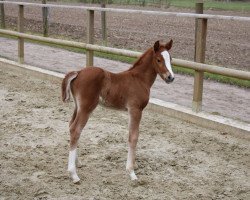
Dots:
(76, 180)
(133, 176)
(74, 176)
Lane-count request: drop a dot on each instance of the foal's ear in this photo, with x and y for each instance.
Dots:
(157, 46)
(168, 46)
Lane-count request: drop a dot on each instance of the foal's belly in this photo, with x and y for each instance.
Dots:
(115, 102)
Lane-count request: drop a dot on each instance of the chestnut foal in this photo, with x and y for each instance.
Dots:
(128, 90)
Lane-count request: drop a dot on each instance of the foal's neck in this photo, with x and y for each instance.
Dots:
(143, 68)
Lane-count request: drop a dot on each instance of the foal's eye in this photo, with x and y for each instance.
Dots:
(158, 60)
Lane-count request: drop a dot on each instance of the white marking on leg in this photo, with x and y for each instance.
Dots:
(133, 176)
(72, 165)
(129, 160)
(166, 57)
(130, 164)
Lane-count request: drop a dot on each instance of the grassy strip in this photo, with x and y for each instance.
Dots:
(177, 69)
(208, 4)
(215, 77)
(211, 4)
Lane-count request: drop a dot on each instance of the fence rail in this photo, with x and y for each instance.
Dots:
(200, 42)
(133, 54)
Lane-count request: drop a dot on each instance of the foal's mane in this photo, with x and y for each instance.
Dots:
(140, 59)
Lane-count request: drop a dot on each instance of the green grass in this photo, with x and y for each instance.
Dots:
(215, 77)
(125, 59)
(210, 4)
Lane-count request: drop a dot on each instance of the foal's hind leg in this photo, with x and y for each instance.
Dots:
(78, 163)
(134, 122)
(83, 110)
(75, 130)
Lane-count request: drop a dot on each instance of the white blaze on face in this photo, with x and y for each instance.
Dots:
(166, 57)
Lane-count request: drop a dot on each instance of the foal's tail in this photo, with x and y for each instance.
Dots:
(66, 85)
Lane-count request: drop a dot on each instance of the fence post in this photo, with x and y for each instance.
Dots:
(200, 47)
(20, 28)
(2, 15)
(104, 24)
(90, 37)
(45, 12)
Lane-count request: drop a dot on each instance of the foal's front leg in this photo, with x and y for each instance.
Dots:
(134, 122)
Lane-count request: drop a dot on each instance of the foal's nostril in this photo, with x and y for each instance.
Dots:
(170, 78)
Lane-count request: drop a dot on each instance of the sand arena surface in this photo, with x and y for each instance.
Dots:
(175, 159)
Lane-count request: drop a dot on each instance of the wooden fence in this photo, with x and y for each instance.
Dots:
(200, 42)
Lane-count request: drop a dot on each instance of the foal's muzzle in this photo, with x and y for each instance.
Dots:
(169, 79)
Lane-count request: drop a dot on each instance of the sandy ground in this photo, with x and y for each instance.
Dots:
(218, 99)
(176, 159)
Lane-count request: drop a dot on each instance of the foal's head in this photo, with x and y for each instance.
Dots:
(162, 61)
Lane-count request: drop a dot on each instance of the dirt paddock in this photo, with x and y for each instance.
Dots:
(175, 159)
